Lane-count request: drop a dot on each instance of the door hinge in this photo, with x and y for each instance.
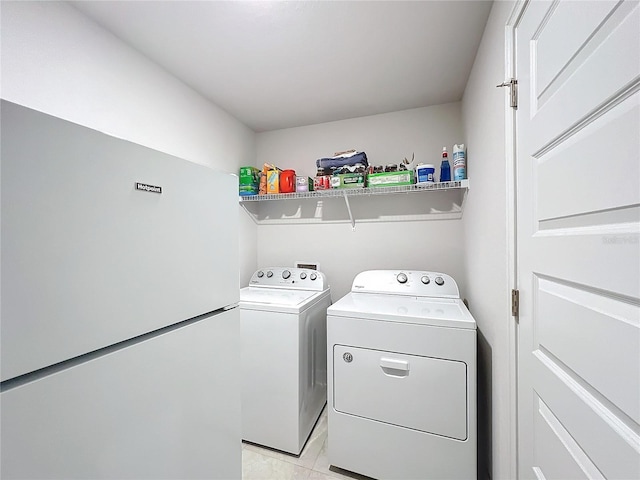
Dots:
(513, 91)
(515, 302)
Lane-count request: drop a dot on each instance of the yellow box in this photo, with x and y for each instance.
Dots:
(273, 181)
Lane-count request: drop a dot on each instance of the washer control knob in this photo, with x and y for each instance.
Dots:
(303, 275)
(313, 276)
(425, 279)
(260, 274)
(286, 274)
(439, 281)
(269, 274)
(402, 278)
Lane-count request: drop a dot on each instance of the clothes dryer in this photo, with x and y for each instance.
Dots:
(401, 352)
(283, 357)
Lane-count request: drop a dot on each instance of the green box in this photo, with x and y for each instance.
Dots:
(249, 176)
(249, 171)
(390, 179)
(348, 180)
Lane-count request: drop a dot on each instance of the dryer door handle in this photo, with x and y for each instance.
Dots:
(400, 368)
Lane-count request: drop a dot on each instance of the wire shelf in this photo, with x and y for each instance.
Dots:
(351, 192)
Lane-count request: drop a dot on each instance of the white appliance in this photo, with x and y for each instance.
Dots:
(119, 313)
(283, 319)
(402, 378)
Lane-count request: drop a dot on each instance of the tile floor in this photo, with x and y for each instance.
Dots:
(259, 463)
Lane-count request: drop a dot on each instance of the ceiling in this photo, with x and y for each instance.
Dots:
(275, 65)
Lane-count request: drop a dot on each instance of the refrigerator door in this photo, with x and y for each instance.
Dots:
(89, 260)
(166, 407)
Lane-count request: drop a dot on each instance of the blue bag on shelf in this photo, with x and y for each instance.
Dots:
(342, 159)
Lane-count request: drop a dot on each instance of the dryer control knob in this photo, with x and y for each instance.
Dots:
(269, 274)
(439, 281)
(402, 278)
(260, 274)
(286, 274)
(426, 280)
(303, 275)
(313, 276)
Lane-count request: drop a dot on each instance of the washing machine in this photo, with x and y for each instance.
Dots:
(283, 321)
(401, 355)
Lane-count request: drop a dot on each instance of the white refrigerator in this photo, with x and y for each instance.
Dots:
(119, 329)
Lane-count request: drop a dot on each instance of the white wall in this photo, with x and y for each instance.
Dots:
(485, 243)
(341, 252)
(59, 62)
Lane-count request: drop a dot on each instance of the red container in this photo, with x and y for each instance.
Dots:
(322, 182)
(288, 181)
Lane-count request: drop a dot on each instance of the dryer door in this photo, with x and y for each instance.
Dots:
(421, 393)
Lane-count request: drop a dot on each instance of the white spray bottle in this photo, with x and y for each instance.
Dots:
(459, 163)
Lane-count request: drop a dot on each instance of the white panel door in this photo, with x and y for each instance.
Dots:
(578, 224)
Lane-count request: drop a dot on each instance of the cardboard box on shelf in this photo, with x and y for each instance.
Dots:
(273, 181)
(322, 182)
(249, 175)
(348, 180)
(304, 184)
(390, 179)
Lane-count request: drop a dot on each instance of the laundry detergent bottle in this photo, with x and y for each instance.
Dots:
(445, 168)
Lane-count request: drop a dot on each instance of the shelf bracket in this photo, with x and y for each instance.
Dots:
(346, 201)
(250, 213)
(464, 197)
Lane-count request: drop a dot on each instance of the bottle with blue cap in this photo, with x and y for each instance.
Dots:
(445, 168)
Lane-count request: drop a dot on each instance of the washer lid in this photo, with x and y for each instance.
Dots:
(272, 299)
(440, 312)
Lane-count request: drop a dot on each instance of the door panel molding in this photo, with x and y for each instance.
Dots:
(577, 237)
(568, 460)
